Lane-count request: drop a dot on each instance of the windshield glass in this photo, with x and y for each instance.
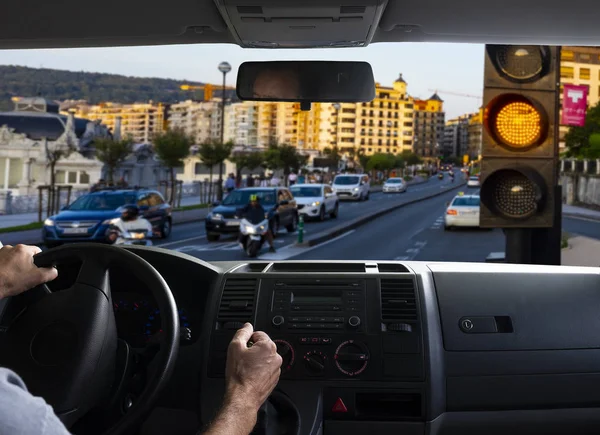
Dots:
(423, 132)
(242, 197)
(306, 192)
(346, 180)
(466, 201)
(101, 202)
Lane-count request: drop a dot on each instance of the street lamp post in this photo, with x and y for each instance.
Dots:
(224, 67)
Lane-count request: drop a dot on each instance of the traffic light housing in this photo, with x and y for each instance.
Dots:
(520, 146)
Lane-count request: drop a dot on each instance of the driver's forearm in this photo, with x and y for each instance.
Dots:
(234, 418)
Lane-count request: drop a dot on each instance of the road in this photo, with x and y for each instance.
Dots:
(191, 238)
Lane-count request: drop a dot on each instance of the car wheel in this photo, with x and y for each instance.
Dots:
(213, 237)
(165, 231)
(274, 226)
(322, 213)
(291, 228)
(336, 210)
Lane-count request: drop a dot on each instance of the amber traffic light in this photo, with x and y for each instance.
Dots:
(519, 148)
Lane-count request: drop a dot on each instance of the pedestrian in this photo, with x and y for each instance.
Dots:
(275, 181)
(238, 181)
(99, 185)
(301, 178)
(292, 178)
(230, 183)
(249, 181)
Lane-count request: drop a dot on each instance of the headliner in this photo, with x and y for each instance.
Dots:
(45, 24)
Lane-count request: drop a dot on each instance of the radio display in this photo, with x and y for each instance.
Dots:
(316, 299)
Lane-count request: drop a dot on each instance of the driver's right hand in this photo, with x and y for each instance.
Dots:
(253, 367)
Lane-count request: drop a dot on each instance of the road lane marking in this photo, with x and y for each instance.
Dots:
(413, 252)
(182, 241)
(292, 250)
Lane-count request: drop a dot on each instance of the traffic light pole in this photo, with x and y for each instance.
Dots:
(546, 242)
(518, 245)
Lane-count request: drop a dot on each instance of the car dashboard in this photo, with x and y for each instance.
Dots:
(384, 347)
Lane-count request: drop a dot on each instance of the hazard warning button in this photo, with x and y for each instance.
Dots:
(339, 406)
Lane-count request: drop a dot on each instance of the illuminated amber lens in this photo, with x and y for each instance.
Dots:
(519, 124)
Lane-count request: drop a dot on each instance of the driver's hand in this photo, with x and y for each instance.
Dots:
(252, 369)
(17, 271)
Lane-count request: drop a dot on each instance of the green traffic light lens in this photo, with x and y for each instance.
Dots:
(513, 194)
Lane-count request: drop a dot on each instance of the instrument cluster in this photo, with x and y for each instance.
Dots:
(138, 318)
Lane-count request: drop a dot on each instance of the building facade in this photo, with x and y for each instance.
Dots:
(429, 127)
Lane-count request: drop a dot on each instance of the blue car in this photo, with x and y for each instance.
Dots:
(88, 217)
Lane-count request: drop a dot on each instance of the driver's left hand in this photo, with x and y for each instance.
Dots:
(18, 273)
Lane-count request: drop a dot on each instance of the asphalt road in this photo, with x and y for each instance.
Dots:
(191, 238)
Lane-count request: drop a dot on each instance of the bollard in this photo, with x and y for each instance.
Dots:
(300, 229)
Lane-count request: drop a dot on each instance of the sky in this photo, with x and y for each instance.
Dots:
(457, 68)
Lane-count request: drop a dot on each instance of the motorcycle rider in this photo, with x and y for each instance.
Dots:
(255, 214)
(130, 220)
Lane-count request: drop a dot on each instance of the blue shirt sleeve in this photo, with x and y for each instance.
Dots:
(22, 413)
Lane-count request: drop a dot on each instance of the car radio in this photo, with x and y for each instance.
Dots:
(330, 305)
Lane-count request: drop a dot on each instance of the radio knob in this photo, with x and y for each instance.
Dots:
(354, 321)
(277, 320)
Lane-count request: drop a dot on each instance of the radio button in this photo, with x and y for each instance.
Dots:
(295, 319)
(337, 326)
(336, 308)
(326, 340)
(337, 319)
(294, 326)
(304, 340)
(315, 340)
(323, 326)
(354, 321)
(277, 321)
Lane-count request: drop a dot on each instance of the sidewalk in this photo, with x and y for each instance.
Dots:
(580, 212)
(582, 251)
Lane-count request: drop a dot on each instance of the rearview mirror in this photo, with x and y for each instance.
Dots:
(306, 81)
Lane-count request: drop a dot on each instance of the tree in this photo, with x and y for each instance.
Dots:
(112, 153)
(56, 150)
(333, 154)
(248, 160)
(411, 158)
(284, 157)
(363, 159)
(381, 162)
(577, 139)
(172, 147)
(214, 153)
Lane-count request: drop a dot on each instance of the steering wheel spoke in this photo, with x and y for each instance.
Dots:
(94, 272)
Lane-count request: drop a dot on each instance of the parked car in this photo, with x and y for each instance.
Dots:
(88, 218)
(352, 186)
(278, 202)
(316, 201)
(394, 185)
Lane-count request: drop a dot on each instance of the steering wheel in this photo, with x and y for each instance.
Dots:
(64, 344)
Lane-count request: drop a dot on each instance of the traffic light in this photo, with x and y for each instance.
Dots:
(520, 143)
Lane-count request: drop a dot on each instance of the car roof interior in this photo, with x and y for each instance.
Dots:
(295, 23)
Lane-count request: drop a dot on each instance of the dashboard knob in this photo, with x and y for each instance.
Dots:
(351, 358)
(315, 362)
(354, 321)
(277, 320)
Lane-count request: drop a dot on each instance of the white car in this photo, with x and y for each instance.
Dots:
(316, 201)
(473, 181)
(394, 185)
(463, 211)
(352, 186)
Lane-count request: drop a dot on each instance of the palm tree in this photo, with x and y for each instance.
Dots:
(112, 153)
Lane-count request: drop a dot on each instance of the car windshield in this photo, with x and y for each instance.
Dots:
(306, 192)
(102, 202)
(466, 201)
(346, 180)
(424, 131)
(242, 197)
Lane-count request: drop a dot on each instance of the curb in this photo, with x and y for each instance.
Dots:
(341, 229)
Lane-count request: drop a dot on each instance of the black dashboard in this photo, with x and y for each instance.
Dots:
(385, 347)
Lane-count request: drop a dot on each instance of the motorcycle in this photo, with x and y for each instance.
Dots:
(120, 237)
(440, 176)
(252, 236)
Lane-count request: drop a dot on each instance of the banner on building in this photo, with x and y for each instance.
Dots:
(574, 105)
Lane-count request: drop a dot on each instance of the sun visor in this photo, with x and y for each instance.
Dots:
(302, 23)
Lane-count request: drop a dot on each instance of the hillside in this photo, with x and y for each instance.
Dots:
(93, 87)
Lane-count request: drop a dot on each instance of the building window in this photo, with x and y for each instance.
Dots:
(584, 73)
(567, 72)
(584, 57)
(567, 55)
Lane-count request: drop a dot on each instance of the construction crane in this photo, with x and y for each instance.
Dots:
(207, 88)
(458, 94)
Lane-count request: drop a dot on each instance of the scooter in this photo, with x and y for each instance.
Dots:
(440, 176)
(120, 237)
(252, 236)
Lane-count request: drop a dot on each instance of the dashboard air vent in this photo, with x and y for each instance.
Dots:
(398, 301)
(237, 302)
(318, 267)
(353, 9)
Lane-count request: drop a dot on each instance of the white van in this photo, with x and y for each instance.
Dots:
(352, 186)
